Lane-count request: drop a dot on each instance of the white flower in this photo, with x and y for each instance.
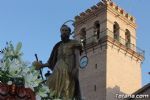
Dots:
(25, 71)
(9, 82)
(43, 91)
(38, 97)
(4, 66)
(31, 79)
(14, 68)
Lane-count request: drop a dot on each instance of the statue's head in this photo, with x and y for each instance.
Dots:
(65, 32)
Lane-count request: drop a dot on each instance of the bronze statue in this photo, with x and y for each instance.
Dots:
(64, 79)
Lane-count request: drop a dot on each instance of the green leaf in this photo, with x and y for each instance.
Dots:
(12, 47)
(18, 47)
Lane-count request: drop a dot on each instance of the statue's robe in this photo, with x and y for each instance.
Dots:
(64, 80)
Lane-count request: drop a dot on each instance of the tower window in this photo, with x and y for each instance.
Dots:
(116, 31)
(83, 36)
(94, 87)
(95, 66)
(97, 29)
(127, 38)
(83, 33)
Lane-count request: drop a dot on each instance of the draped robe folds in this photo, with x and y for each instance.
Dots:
(64, 79)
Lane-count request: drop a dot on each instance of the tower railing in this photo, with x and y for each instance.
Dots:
(120, 40)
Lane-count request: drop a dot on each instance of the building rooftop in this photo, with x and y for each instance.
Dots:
(104, 4)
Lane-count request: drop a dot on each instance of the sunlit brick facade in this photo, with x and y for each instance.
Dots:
(114, 60)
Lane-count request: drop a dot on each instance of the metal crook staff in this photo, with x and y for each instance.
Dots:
(41, 68)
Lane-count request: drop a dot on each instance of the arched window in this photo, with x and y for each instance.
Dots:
(83, 36)
(83, 33)
(97, 29)
(116, 31)
(127, 38)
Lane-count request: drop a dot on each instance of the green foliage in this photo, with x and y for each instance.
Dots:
(14, 70)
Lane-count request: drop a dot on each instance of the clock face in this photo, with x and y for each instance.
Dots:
(83, 62)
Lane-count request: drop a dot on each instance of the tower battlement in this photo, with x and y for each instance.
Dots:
(108, 4)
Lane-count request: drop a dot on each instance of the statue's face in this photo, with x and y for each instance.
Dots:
(65, 33)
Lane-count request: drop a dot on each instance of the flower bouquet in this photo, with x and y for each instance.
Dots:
(13, 70)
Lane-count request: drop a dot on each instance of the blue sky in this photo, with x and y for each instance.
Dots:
(36, 24)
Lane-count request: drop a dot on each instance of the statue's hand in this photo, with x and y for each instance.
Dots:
(37, 65)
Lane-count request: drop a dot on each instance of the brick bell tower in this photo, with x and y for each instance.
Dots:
(114, 65)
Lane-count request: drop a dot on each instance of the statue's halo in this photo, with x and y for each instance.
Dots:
(70, 23)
